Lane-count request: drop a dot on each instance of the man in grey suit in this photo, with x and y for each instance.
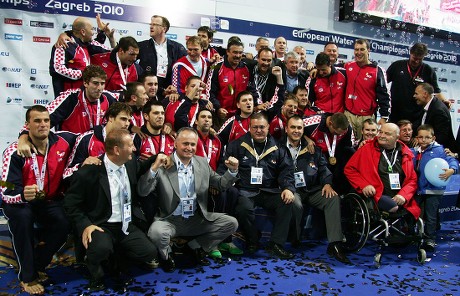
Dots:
(182, 190)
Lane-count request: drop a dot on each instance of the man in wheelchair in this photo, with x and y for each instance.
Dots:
(383, 170)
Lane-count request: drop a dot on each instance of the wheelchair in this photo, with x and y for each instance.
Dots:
(362, 220)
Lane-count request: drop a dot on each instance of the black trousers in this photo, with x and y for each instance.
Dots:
(104, 245)
(24, 221)
(245, 215)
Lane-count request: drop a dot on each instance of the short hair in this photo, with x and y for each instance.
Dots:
(148, 106)
(209, 32)
(164, 21)
(145, 75)
(193, 77)
(291, 54)
(426, 127)
(241, 94)
(125, 43)
(185, 129)
(403, 122)
(274, 42)
(322, 59)
(261, 38)
(330, 43)
(194, 40)
(38, 108)
(363, 41)
(299, 88)
(368, 121)
(291, 97)
(115, 138)
(294, 117)
(427, 87)
(264, 49)
(116, 108)
(131, 89)
(234, 41)
(339, 120)
(202, 110)
(419, 49)
(92, 71)
(258, 116)
(299, 46)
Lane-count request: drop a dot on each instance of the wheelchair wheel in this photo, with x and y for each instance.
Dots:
(421, 256)
(355, 222)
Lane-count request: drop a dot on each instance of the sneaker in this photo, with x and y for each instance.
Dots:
(231, 248)
(215, 254)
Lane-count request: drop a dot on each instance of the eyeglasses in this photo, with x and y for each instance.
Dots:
(156, 25)
(258, 127)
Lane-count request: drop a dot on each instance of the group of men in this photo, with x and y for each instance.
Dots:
(133, 162)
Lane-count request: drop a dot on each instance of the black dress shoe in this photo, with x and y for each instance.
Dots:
(168, 265)
(279, 251)
(336, 251)
(95, 285)
(252, 248)
(200, 257)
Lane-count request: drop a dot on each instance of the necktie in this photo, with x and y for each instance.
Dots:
(424, 117)
(123, 197)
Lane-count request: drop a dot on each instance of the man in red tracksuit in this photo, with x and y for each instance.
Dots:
(119, 64)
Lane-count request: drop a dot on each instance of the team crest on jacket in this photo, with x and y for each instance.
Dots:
(225, 79)
(60, 155)
(368, 76)
(273, 161)
(104, 65)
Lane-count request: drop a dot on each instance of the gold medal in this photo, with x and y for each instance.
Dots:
(40, 195)
(332, 160)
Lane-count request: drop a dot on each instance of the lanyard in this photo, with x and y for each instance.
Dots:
(98, 111)
(209, 153)
(297, 150)
(162, 144)
(192, 121)
(40, 174)
(330, 149)
(241, 125)
(123, 73)
(416, 73)
(391, 164)
(85, 56)
(133, 120)
(257, 156)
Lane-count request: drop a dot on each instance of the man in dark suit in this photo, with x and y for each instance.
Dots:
(183, 200)
(435, 114)
(158, 54)
(102, 202)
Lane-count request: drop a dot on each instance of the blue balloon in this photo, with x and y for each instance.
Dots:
(434, 167)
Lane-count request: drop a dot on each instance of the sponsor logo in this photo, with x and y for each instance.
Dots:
(220, 41)
(171, 36)
(17, 37)
(13, 85)
(33, 71)
(122, 32)
(453, 72)
(442, 79)
(41, 101)
(139, 33)
(11, 21)
(310, 52)
(4, 53)
(9, 69)
(39, 24)
(14, 101)
(41, 39)
(39, 86)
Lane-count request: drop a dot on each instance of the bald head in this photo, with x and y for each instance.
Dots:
(388, 135)
(83, 29)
